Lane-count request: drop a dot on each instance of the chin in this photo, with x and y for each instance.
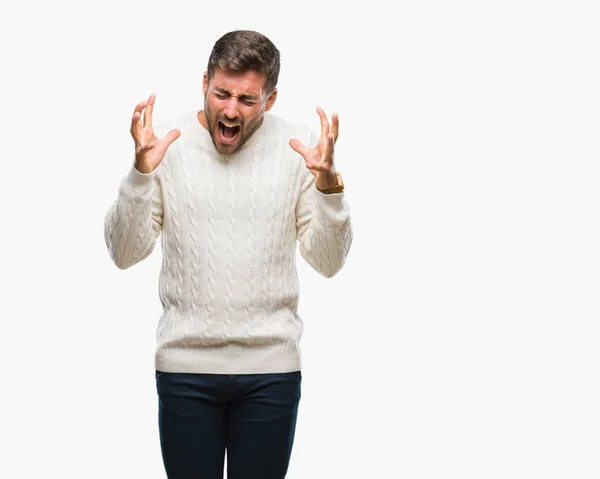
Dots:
(225, 147)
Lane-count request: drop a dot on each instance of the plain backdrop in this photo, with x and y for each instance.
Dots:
(461, 338)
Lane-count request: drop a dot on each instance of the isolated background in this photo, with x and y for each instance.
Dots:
(461, 338)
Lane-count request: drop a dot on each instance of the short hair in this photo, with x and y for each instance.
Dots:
(246, 50)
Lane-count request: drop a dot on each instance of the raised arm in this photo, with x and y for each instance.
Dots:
(323, 225)
(134, 221)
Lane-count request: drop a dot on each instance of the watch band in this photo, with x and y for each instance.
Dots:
(334, 189)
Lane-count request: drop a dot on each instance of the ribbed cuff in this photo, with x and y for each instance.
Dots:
(332, 205)
(137, 179)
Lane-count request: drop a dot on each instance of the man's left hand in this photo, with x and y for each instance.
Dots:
(319, 160)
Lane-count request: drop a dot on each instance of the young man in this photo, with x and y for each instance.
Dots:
(231, 197)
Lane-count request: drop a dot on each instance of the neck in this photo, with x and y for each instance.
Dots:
(202, 119)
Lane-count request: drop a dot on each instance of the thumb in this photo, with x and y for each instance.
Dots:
(171, 137)
(298, 147)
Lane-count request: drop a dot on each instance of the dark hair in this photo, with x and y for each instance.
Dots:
(246, 50)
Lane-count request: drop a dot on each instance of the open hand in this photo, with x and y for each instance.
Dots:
(149, 150)
(319, 160)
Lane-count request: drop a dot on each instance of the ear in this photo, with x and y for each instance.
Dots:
(271, 99)
(204, 83)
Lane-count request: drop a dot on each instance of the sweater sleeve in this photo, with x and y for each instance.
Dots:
(133, 222)
(323, 227)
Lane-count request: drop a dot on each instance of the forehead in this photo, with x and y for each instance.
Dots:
(249, 83)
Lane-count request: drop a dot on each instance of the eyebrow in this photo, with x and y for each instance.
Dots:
(226, 92)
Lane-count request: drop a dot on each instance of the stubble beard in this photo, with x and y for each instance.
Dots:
(246, 130)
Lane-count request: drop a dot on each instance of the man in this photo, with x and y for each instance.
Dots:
(231, 197)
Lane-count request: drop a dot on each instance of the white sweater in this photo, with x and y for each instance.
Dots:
(228, 282)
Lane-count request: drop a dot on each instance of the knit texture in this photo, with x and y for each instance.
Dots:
(229, 225)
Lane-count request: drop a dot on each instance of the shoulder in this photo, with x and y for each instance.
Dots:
(173, 154)
(287, 130)
(182, 123)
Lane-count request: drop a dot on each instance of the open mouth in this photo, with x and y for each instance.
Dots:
(227, 132)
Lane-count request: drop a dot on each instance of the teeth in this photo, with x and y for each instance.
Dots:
(228, 126)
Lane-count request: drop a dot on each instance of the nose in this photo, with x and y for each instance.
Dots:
(231, 108)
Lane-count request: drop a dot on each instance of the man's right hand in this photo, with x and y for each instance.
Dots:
(149, 150)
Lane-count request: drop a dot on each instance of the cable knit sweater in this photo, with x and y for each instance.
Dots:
(229, 226)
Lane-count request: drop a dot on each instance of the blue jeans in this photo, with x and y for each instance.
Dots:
(252, 416)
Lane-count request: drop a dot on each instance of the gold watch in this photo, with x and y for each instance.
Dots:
(334, 189)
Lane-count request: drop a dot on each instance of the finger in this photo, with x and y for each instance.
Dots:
(318, 167)
(327, 157)
(298, 147)
(149, 110)
(324, 122)
(171, 137)
(140, 106)
(136, 127)
(335, 126)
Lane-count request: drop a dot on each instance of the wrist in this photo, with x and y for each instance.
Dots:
(337, 187)
(326, 181)
(143, 167)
